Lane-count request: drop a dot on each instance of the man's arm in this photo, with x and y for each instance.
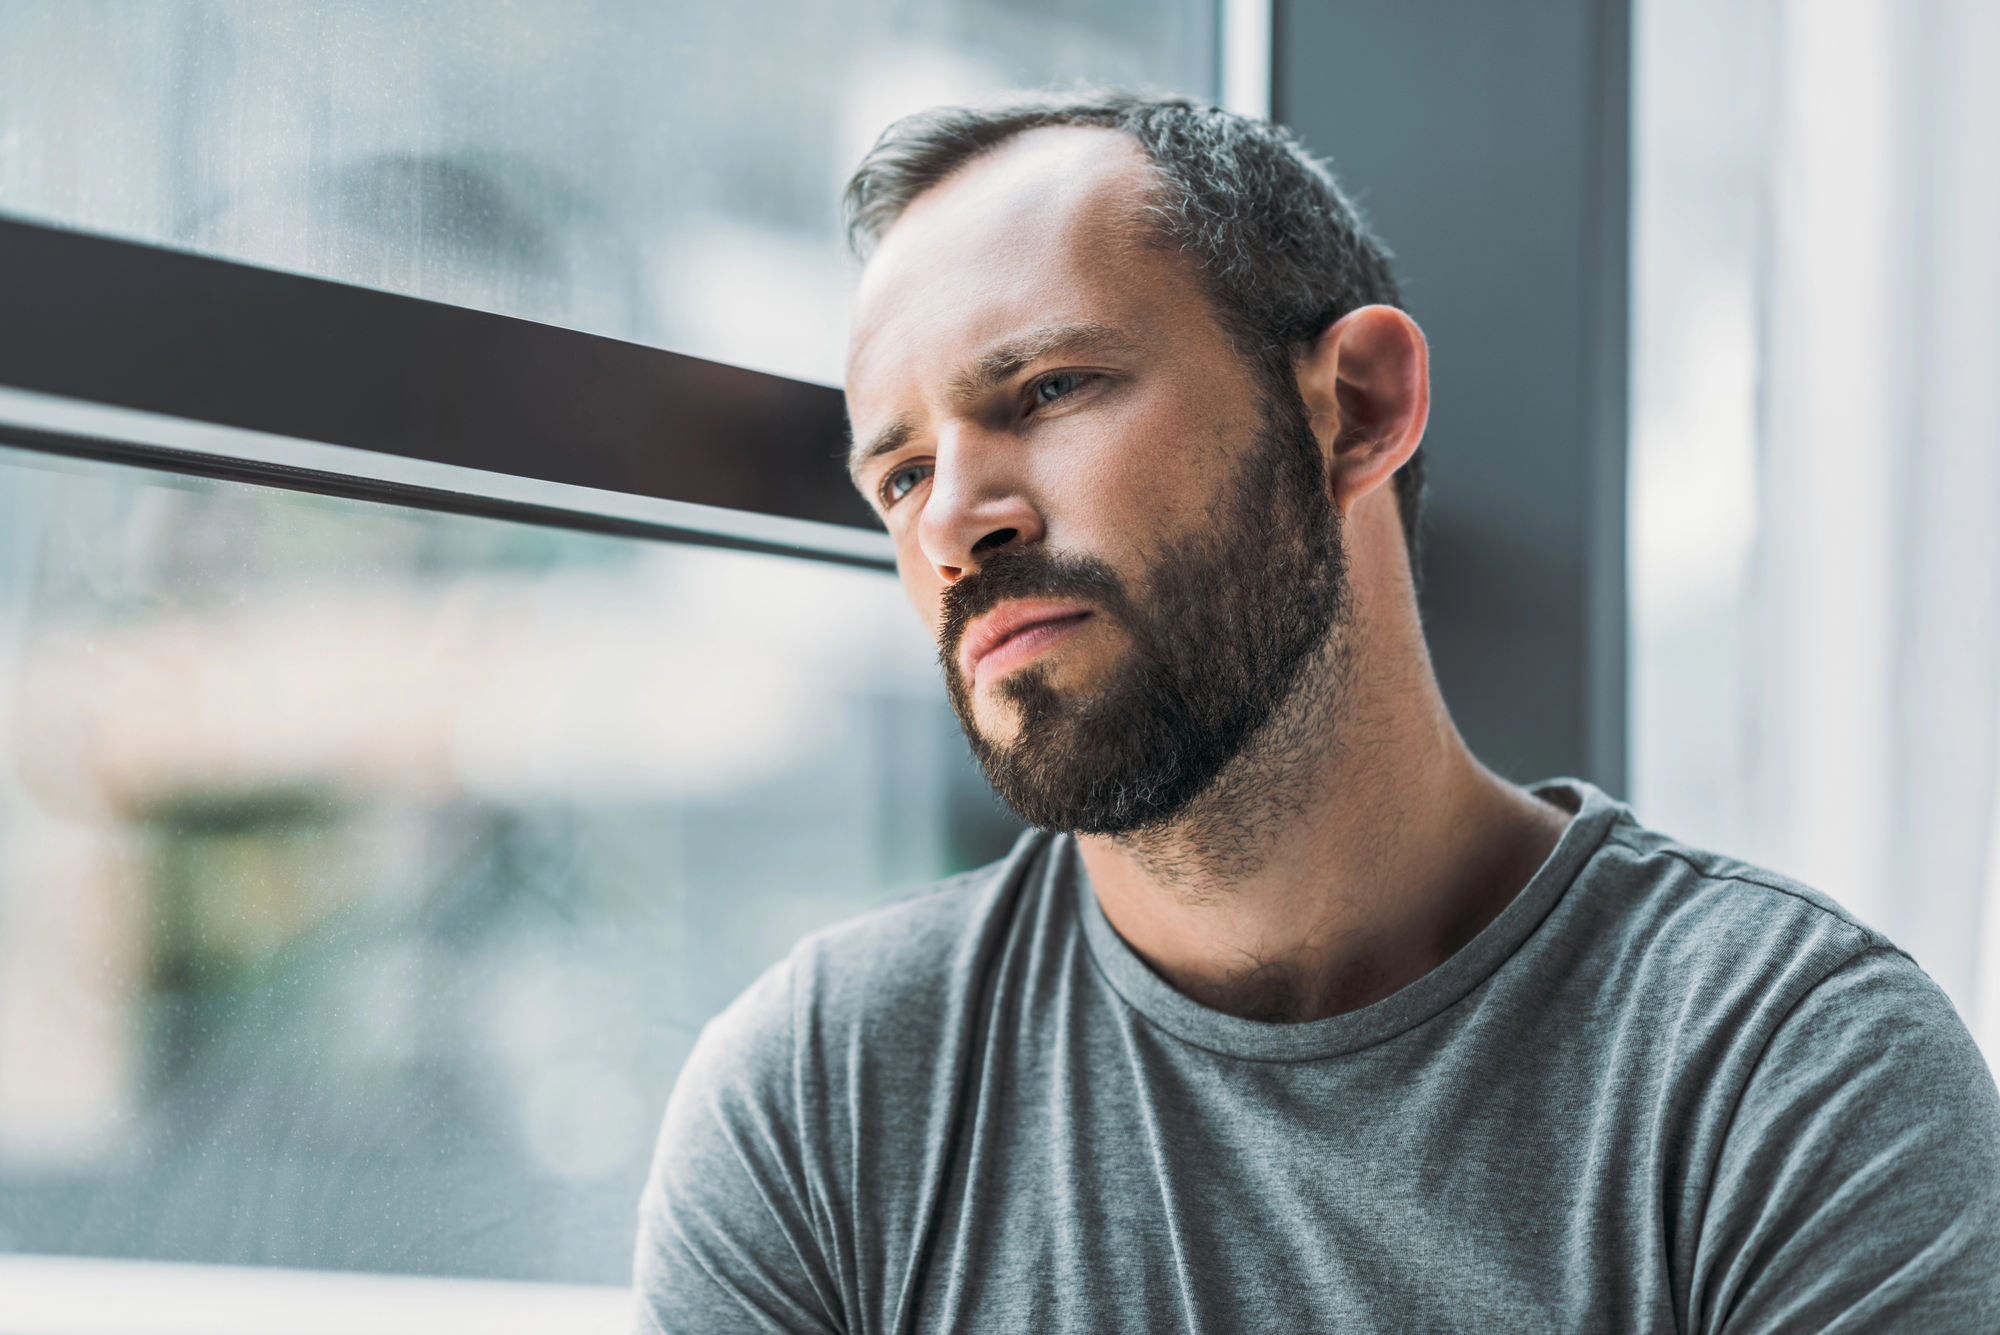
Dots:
(1859, 1184)
(726, 1237)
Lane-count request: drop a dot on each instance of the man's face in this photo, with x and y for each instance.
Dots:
(1123, 546)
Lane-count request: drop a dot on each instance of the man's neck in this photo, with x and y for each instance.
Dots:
(1322, 879)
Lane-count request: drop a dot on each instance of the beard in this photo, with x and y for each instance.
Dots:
(1222, 638)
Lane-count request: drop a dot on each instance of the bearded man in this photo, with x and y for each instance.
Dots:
(1289, 1015)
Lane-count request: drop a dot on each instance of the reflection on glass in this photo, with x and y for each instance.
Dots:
(366, 873)
(665, 171)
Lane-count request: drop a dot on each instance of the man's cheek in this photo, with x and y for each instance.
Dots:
(923, 588)
(997, 717)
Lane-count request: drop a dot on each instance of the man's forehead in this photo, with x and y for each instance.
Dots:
(1021, 212)
(1039, 176)
(1020, 249)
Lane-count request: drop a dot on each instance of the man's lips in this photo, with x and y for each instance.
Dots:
(1015, 632)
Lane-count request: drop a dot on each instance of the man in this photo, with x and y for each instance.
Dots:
(1290, 1015)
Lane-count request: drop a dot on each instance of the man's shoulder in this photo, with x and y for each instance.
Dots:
(858, 1032)
(1714, 955)
(1852, 1123)
(910, 960)
(927, 938)
(1710, 910)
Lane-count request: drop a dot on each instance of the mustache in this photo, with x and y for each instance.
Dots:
(1030, 572)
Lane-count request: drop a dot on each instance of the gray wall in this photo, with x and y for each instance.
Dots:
(1487, 144)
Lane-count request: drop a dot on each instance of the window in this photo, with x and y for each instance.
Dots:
(1816, 456)
(419, 722)
(370, 871)
(667, 173)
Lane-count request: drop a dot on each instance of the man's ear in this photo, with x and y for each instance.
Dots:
(1366, 382)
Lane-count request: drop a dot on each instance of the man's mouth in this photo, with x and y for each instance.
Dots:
(1014, 634)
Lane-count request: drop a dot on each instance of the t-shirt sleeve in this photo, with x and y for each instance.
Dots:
(1858, 1187)
(726, 1241)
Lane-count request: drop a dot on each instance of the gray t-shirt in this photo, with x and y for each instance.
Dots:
(1661, 1091)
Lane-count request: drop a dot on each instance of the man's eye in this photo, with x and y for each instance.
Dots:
(1057, 386)
(902, 481)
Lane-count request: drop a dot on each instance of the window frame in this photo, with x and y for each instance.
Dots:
(135, 354)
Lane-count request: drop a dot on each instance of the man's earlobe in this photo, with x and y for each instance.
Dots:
(1366, 384)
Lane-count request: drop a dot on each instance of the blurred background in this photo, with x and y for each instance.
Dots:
(1815, 456)
(665, 171)
(366, 872)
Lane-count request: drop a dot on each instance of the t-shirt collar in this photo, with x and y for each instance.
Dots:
(1441, 988)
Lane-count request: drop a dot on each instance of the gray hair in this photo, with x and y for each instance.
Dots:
(1279, 247)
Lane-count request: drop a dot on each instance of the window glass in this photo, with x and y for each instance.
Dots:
(366, 873)
(1816, 677)
(665, 171)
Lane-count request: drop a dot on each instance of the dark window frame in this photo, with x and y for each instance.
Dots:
(136, 354)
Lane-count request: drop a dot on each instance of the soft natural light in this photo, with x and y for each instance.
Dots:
(1815, 572)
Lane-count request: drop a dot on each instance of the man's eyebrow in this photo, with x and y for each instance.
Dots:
(1000, 364)
(996, 366)
(886, 441)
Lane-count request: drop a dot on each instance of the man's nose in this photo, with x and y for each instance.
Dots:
(978, 504)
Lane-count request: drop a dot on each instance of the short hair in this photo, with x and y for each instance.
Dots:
(1282, 252)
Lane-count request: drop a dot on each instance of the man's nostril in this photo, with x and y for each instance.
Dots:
(999, 537)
